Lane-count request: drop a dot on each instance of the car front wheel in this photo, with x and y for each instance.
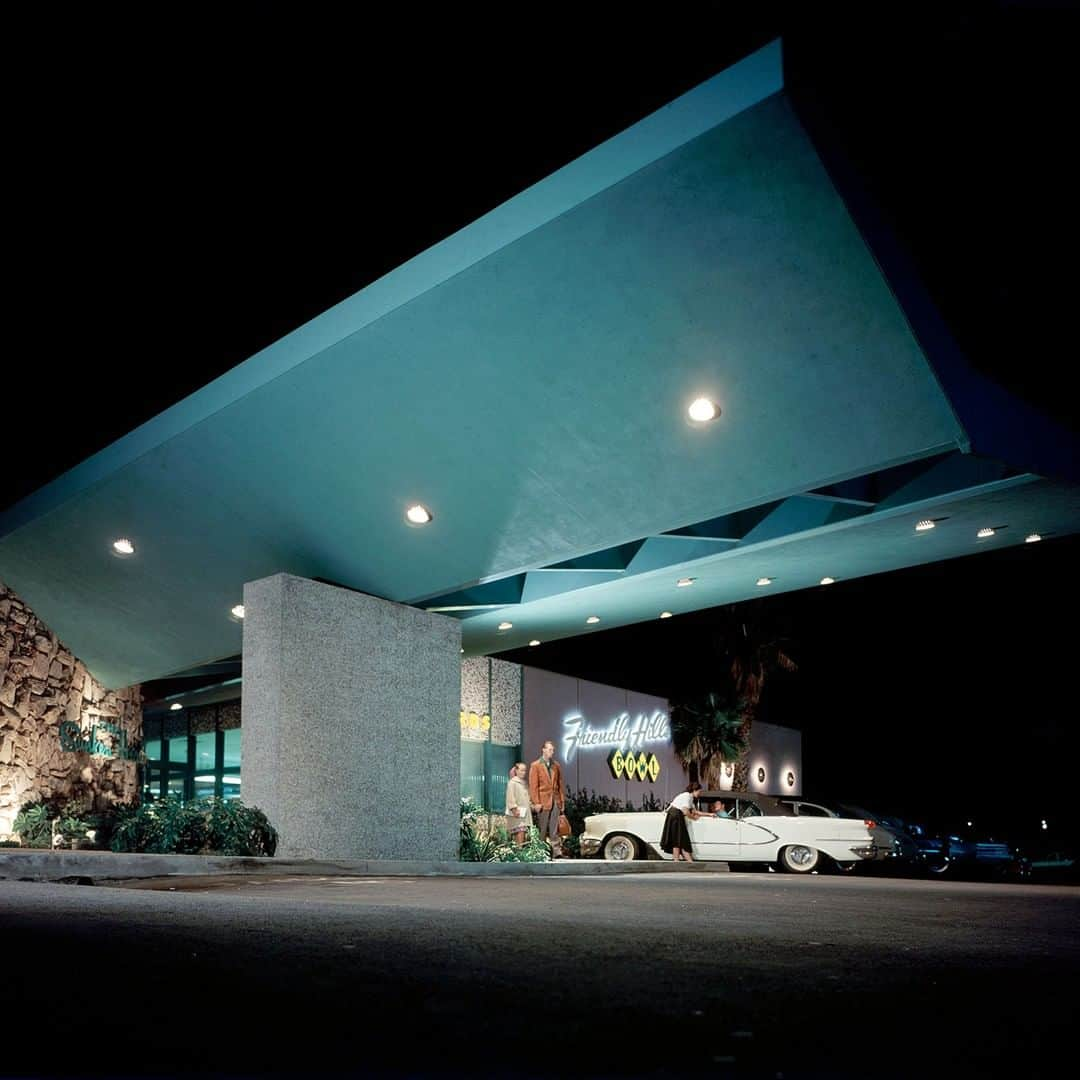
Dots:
(799, 859)
(620, 848)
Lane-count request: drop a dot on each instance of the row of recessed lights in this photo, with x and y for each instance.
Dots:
(123, 548)
(983, 534)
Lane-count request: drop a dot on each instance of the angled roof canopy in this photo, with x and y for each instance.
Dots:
(527, 379)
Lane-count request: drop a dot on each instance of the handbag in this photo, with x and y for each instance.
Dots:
(563, 827)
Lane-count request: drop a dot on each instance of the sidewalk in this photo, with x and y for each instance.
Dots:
(103, 867)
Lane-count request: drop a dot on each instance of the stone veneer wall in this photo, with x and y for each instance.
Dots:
(42, 685)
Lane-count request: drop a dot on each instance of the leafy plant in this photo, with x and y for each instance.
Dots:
(484, 841)
(209, 826)
(72, 823)
(33, 823)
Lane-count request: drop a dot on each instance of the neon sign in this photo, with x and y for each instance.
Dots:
(634, 766)
(624, 732)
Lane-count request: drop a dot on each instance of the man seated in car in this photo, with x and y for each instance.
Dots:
(719, 810)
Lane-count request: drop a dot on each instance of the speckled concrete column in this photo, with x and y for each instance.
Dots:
(350, 721)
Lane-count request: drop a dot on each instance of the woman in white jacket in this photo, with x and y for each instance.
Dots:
(518, 810)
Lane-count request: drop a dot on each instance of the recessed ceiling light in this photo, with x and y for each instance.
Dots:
(506, 626)
(922, 526)
(665, 614)
(535, 641)
(764, 580)
(593, 619)
(237, 611)
(684, 581)
(175, 706)
(702, 410)
(123, 547)
(982, 534)
(828, 581)
(1032, 538)
(417, 514)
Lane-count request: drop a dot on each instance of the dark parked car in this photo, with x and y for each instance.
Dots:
(921, 849)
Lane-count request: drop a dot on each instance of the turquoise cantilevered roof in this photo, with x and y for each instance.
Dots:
(527, 379)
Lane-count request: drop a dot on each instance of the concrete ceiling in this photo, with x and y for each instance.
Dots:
(527, 379)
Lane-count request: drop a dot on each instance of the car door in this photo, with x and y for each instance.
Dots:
(715, 838)
(755, 833)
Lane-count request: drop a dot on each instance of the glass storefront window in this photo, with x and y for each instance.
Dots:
(178, 750)
(231, 758)
(205, 753)
(153, 750)
(230, 786)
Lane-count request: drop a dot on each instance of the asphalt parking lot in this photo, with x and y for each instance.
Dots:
(723, 974)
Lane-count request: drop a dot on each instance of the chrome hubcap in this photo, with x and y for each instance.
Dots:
(800, 856)
(620, 850)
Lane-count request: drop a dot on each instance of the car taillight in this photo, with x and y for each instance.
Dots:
(869, 824)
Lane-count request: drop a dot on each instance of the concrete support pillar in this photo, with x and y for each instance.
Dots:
(350, 722)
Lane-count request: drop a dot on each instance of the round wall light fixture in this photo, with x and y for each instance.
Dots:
(175, 706)
(237, 612)
(665, 614)
(925, 526)
(122, 547)
(764, 581)
(506, 626)
(828, 581)
(761, 776)
(1032, 538)
(684, 581)
(535, 641)
(593, 619)
(790, 779)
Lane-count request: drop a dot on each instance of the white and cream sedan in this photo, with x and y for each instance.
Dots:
(759, 830)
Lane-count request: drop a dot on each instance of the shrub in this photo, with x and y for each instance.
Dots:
(33, 823)
(209, 826)
(482, 840)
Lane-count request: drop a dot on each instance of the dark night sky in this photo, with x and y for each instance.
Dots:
(183, 192)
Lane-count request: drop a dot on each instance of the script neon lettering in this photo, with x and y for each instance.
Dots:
(623, 732)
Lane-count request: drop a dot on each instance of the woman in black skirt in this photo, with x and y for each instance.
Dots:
(675, 838)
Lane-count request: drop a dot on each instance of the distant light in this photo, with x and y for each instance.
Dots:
(535, 641)
(702, 410)
(418, 514)
(1032, 538)
(123, 547)
(506, 625)
(176, 706)
(828, 581)
(764, 581)
(982, 534)
(969, 824)
(922, 526)
(684, 581)
(665, 614)
(1044, 825)
(237, 612)
(593, 619)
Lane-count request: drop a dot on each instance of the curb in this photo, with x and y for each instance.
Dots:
(92, 867)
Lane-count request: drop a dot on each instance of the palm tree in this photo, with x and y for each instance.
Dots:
(752, 653)
(707, 731)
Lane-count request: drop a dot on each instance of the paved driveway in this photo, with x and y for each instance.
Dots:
(727, 974)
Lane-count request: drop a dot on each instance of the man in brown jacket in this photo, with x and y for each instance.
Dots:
(547, 795)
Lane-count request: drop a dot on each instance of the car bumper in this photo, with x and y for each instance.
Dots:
(589, 845)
